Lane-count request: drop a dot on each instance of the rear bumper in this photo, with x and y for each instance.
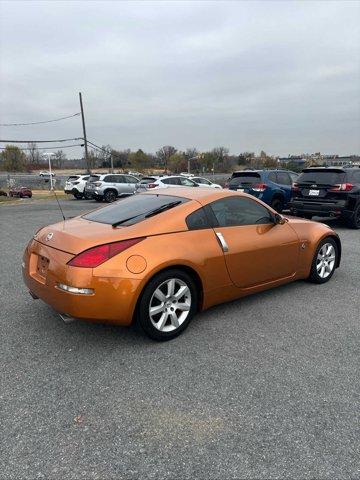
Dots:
(113, 300)
(334, 209)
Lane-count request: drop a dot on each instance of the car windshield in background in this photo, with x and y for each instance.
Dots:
(73, 177)
(321, 177)
(245, 178)
(134, 209)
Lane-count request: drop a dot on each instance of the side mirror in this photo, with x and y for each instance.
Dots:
(279, 219)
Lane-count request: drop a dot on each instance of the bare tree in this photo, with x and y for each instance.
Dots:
(59, 159)
(33, 156)
(164, 154)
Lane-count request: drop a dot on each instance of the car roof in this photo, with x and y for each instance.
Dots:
(199, 194)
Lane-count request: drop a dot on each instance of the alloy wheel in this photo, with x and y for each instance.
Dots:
(170, 305)
(325, 261)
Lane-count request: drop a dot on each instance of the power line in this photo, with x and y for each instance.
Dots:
(41, 141)
(37, 123)
(50, 147)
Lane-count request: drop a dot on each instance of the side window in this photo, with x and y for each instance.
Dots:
(197, 220)
(237, 211)
(166, 181)
(130, 179)
(109, 179)
(283, 178)
(119, 179)
(356, 177)
(294, 176)
(186, 182)
(85, 178)
(272, 177)
(174, 181)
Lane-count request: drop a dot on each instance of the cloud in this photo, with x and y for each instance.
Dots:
(279, 76)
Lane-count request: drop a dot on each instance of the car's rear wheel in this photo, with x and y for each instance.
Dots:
(324, 261)
(354, 221)
(167, 305)
(98, 199)
(277, 204)
(78, 195)
(110, 196)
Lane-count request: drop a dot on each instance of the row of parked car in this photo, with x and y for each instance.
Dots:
(110, 186)
(317, 191)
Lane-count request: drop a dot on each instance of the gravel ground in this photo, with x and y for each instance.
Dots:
(264, 387)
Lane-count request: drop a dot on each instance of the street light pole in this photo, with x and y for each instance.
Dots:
(84, 133)
(189, 160)
(49, 155)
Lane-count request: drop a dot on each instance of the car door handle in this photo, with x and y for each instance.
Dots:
(222, 242)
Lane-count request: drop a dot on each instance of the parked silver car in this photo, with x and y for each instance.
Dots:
(110, 186)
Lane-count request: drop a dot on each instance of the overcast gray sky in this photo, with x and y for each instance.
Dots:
(279, 76)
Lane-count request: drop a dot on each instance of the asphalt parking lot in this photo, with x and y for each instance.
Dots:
(264, 387)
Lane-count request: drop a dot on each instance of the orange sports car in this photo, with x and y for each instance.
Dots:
(159, 257)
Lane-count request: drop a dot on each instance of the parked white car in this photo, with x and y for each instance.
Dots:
(75, 185)
(170, 181)
(204, 182)
(45, 173)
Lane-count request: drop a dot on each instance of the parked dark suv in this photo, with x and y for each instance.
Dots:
(273, 187)
(328, 192)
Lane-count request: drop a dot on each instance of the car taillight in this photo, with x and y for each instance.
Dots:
(151, 185)
(295, 187)
(341, 187)
(75, 183)
(259, 187)
(95, 256)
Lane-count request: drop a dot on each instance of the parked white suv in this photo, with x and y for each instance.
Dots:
(110, 186)
(75, 185)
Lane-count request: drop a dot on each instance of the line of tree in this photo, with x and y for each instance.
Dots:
(167, 158)
(14, 159)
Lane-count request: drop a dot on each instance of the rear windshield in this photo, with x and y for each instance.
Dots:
(73, 177)
(321, 177)
(133, 209)
(240, 178)
(148, 180)
(94, 178)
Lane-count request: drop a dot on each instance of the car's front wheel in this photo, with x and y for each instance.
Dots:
(325, 261)
(167, 305)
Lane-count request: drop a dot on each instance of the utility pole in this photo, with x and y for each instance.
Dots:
(84, 133)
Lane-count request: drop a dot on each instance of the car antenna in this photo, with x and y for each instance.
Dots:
(61, 210)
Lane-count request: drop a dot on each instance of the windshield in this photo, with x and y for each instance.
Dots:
(321, 177)
(73, 177)
(133, 209)
(247, 177)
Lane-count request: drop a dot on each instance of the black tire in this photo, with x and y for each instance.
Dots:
(98, 199)
(142, 317)
(110, 196)
(78, 195)
(277, 204)
(315, 276)
(354, 220)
